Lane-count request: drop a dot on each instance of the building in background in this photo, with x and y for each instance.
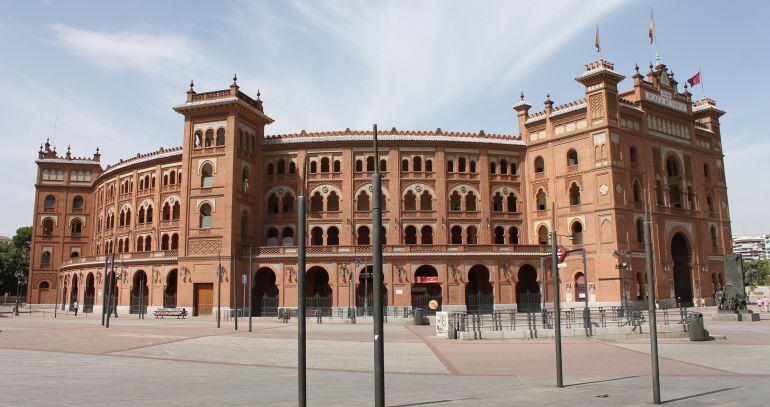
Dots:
(466, 217)
(752, 248)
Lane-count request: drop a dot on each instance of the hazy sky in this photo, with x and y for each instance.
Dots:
(111, 71)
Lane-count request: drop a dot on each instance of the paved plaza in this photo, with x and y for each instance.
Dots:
(190, 362)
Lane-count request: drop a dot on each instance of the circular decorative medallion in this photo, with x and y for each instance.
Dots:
(418, 188)
(603, 189)
(463, 189)
(325, 189)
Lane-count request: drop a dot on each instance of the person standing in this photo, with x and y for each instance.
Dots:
(766, 302)
(75, 304)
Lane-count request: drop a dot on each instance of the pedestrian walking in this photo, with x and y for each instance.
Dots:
(760, 304)
(766, 302)
(75, 304)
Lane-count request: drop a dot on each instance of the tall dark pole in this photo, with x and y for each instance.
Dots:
(589, 328)
(301, 265)
(56, 299)
(220, 272)
(234, 282)
(251, 288)
(651, 306)
(141, 295)
(556, 300)
(244, 280)
(104, 289)
(379, 342)
(111, 288)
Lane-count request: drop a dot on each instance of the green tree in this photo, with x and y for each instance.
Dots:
(12, 259)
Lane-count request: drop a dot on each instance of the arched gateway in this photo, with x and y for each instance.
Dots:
(680, 254)
(139, 293)
(365, 291)
(527, 290)
(426, 288)
(318, 293)
(479, 297)
(264, 294)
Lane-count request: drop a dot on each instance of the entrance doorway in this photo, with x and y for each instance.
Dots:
(580, 287)
(365, 291)
(73, 292)
(318, 293)
(264, 294)
(426, 288)
(139, 293)
(169, 293)
(680, 254)
(43, 292)
(479, 298)
(88, 300)
(203, 299)
(527, 290)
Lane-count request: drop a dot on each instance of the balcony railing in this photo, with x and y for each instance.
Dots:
(133, 256)
(396, 250)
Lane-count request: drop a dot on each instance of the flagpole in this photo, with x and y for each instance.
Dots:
(702, 89)
(654, 37)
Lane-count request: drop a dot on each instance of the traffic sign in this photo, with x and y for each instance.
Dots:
(561, 252)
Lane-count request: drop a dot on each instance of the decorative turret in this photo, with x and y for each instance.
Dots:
(601, 83)
(522, 112)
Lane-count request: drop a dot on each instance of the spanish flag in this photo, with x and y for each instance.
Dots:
(596, 40)
(651, 30)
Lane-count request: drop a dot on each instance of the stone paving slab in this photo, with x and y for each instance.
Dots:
(342, 355)
(741, 359)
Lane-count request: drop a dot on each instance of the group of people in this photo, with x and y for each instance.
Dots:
(763, 304)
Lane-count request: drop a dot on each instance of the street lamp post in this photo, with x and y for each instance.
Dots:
(220, 273)
(251, 289)
(21, 279)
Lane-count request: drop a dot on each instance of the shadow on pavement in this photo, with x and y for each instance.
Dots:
(602, 381)
(701, 394)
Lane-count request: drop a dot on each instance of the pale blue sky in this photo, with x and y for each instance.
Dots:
(111, 71)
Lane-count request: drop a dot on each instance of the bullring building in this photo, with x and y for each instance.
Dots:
(466, 216)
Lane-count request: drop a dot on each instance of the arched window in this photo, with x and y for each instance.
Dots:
(572, 157)
(472, 166)
(172, 177)
(370, 163)
(658, 193)
(140, 218)
(45, 258)
(333, 202)
(417, 164)
(325, 164)
(337, 166)
(574, 194)
(710, 202)
(493, 167)
(272, 236)
(541, 200)
(429, 165)
(198, 139)
(270, 169)
(410, 201)
(363, 236)
(456, 235)
(175, 211)
(359, 166)
(404, 165)
(76, 227)
(539, 165)
(281, 167)
(48, 227)
(499, 235)
(272, 203)
(316, 237)
(207, 176)
(472, 235)
(542, 235)
(410, 235)
(577, 233)
(639, 231)
(637, 192)
(77, 202)
(513, 235)
(690, 198)
(470, 202)
(205, 216)
(316, 203)
(50, 202)
(714, 241)
(514, 168)
(497, 202)
(672, 167)
(292, 168)
(426, 233)
(461, 164)
(706, 171)
(287, 236)
(313, 167)
(174, 242)
(633, 154)
(455, 201)
(220, 137)
(333, 236)
(362, 202)
(450, 166)
(287, 203)
(164, 242)
(503, 166)
(513, 204)
(426, 201)
(245, 180)
(209, 138)
(383, 165)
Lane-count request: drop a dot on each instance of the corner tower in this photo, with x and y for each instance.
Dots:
(222, 134)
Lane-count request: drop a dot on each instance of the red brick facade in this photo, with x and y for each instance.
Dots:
(464, 214)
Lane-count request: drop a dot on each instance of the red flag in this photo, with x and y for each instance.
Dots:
(651, 29)
(596, 41)
(694, 80)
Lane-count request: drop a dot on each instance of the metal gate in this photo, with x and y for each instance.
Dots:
(135, 305)
(88, 304)
(480, 303)
(421, 299)
(267, 306)
(528, 302)
(169, 301)
(321, 304)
